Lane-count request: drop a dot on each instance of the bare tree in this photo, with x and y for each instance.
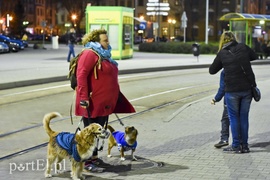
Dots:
(77, 7)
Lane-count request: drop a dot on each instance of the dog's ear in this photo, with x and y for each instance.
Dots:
(90, 130)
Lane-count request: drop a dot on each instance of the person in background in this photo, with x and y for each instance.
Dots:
(98, 87)
(225, 122)
(71, 42)
(234, 57)
(25, 37)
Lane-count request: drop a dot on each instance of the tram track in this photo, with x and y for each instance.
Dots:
(43, 144)
(147, 92)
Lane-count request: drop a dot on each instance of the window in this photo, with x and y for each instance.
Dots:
(30, 10)
(129, 3)
(210, 30)
(225, 2)
(140, 2)
(211, 15)
(268, 6)
(62, 18)
(152, 18)
(195, 15)
(195, 30)
(164, 31)
(113, 37)
(164, 18)
(122, 3)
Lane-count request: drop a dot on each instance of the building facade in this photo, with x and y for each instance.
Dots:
(163, 17)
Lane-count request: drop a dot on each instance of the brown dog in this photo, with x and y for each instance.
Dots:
(78, 147)
(124, 140)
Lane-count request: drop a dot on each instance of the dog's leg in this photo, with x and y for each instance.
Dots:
(122, 154)
(50, 161)
(80, 169)
(58, 165)
(76, 170)
(110, 146)
(132, 155)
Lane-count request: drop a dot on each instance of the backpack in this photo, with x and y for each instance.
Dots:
(73, 69)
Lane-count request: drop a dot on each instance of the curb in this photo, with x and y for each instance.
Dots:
(17, 84)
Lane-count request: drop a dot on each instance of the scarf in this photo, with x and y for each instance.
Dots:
(104, 53)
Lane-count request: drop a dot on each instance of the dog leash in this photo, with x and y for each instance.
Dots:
(84, 103)
(106, 125)
(119, 119)
(70, 109)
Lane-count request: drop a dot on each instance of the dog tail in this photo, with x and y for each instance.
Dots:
(110, 128)
(46, 121)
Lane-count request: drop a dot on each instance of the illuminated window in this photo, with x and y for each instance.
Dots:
(210, 30)
(225, 2)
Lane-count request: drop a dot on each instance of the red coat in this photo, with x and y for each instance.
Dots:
(106, 97)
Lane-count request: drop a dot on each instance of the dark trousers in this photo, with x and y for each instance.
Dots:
(225, 125)
(100, 120)
(238, 105)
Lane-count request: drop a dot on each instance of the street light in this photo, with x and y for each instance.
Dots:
(9, 18)
(171, 21)
(74, 17)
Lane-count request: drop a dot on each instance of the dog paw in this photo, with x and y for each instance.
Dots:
(48, 175)
(82, 177)
(59, 171)
(122, 158)
(109, 155)
(75, 178)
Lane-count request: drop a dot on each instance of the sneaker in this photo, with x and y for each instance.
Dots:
(99, 162)
(245, 149)
(231, 149)
(93, 168)
(221, 144)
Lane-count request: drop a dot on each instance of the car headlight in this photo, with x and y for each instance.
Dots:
(16, 44)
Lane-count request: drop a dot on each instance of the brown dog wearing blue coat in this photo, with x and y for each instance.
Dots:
(124, 140)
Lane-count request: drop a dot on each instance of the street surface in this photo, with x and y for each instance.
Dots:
(177, 124)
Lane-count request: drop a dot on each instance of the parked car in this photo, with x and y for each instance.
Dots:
(25, 43)
(13, 46)
(15, 41)
(4, 47)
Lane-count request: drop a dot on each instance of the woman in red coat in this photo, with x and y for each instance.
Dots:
(97, 85)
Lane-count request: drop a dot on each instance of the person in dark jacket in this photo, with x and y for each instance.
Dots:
(71, 42)
(225, 122)
(235, 58)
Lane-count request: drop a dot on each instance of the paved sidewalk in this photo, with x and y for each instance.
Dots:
(170, 147)
(177, 148)
(30, 66)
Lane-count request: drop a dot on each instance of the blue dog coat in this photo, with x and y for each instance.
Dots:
(121, 142)
(65, 141)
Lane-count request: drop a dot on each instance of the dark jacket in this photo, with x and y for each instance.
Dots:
(71, 38)
(231, 58)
